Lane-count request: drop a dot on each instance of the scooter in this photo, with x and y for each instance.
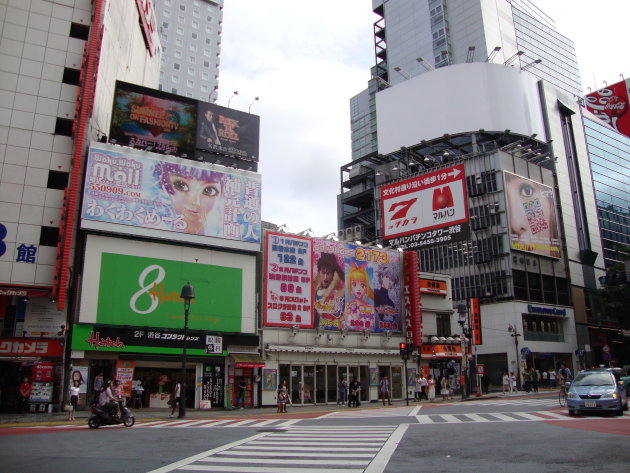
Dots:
(100, 416)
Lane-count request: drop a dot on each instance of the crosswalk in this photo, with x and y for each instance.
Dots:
(314, 449)
(196, 424)
(499, 417)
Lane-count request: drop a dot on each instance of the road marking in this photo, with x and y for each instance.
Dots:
(382, 458)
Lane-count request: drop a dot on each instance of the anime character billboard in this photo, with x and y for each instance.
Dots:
(141, 189)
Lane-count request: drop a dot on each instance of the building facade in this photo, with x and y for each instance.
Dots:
(190, 32)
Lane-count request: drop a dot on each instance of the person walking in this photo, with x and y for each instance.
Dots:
(355, 391)
(98, 386)
(424, 386)
(506, 383)
(176, 398)
(74, 398)
(431, 388)
(342, 387)
(445, 389)
(513, 385)
(535, 379)
(242, 387)
(418, 389)
(283, 397)
(384, 388)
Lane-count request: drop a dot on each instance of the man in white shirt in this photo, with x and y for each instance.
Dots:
(175, 397)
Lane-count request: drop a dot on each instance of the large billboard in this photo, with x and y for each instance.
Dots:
(142, 189)
(227, 131)
(151, 119)
(330, 285)
(532, 216)
(426, 210)
(611, 105)
(137, 284)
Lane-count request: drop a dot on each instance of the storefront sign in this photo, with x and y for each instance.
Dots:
(124, 374)
(43, 372)
(24, 347)
(147, 24)
(413, 300)
(475, 315)
(214, 345)
(146, 294)
(127, 340)
(546, 310)
(42, 319)
(426, 210)
(611, 105)
(441, 351)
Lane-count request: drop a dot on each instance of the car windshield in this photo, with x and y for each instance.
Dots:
(594, 379)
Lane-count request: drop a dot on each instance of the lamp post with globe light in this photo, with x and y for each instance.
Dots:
(188, 294)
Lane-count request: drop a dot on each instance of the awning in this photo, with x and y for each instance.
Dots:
(331, 350)
(242, 360)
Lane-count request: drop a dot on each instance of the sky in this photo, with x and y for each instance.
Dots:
(305, 61)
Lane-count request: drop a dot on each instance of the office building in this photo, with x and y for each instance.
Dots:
(190, 32)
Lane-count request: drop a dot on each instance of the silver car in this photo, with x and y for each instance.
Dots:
(596, 391)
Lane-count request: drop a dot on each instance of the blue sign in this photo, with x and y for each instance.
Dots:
(525, 351)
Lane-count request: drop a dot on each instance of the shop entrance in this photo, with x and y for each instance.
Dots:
(9, 384)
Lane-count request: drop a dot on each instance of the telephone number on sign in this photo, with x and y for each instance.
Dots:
(113, 190)
(432, 241)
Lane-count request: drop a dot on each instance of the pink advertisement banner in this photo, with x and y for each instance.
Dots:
(141, 189)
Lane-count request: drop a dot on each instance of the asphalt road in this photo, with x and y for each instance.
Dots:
(520, 434)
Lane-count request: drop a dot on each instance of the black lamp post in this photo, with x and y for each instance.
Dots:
(462, 312)
(188, 294)
(515, 334)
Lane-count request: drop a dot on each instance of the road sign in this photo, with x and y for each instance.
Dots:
(525, 351)
(480, 369)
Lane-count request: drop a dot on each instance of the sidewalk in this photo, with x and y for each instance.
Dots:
(297, 411)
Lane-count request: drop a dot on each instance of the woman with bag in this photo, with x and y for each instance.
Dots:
(74, 399)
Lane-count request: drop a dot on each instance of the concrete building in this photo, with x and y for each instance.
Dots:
(59, 62)
(190, 32)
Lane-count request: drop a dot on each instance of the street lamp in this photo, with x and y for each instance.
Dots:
(515, 334)
(462, 312)
(188, 294)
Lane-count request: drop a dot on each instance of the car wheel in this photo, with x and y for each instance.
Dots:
(619, 412)
(93, 423)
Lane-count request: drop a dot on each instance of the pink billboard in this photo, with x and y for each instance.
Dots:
(136, 188)
(611, 105)
(426, 210)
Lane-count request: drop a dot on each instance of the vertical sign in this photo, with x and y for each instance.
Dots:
(475, 315)
(413, 302)
(288, 274)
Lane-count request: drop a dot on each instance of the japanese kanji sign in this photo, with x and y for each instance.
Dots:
(426, 210)
(30, 347)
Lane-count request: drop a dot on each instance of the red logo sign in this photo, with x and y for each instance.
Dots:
(611, 105)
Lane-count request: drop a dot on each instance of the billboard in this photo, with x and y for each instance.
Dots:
(331, 285)
(137, 284)
(532, 216)
(141, 189)
(611, 105)
(426, 210)
(147, 118)
(227, 131)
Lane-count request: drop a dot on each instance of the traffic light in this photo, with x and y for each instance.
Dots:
(403, 349)
(613, 278)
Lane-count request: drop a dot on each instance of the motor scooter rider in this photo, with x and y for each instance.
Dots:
(108, 401)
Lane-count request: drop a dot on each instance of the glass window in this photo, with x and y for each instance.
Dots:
(191, 71)
(190, 83)
(179, 42)
(193, 47)
(193, 35)
(177, 54)
(176, 66)
(175, 78)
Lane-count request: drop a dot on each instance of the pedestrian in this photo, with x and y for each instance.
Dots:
(444, 388)
(355, 391)
(176, 397)
(384, 389)
(545, 378)
(74, 398)
(527, 380)
(24, 394)
(242, 387)
(485, 383)
(431, 388)
(552, 378)
(283, 397)
(506, 383)
(98, 386)
(423, 385)
(535, 379)
(343, 390)
(513, 385)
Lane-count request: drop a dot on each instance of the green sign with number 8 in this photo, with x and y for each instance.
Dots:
(144, 292)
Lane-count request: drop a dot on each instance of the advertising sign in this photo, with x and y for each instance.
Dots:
(426, 210)
(148, 118)
(130, 340)
(532, 216)
(124, 374)
(146, 293)
(227, 131)
(287, 297)
(331, 285)
(42, 319)
(413, 299)
(142, 189)
(611, 105)
(16, 347)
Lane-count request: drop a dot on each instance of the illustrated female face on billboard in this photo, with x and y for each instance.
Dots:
(532, 216)
(359, 313)
(194, 193)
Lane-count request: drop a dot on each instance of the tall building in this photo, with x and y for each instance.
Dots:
(412, 37)
(482, 96)
(59, 61)
(190, 32)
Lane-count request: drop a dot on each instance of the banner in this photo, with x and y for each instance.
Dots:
(426, 210)
(141, 189)
(146, 294)
(610, 104)
(153, 120)
(532, 216)
(330, 285)
(475, 316)
(227, 131)
(287, 284)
